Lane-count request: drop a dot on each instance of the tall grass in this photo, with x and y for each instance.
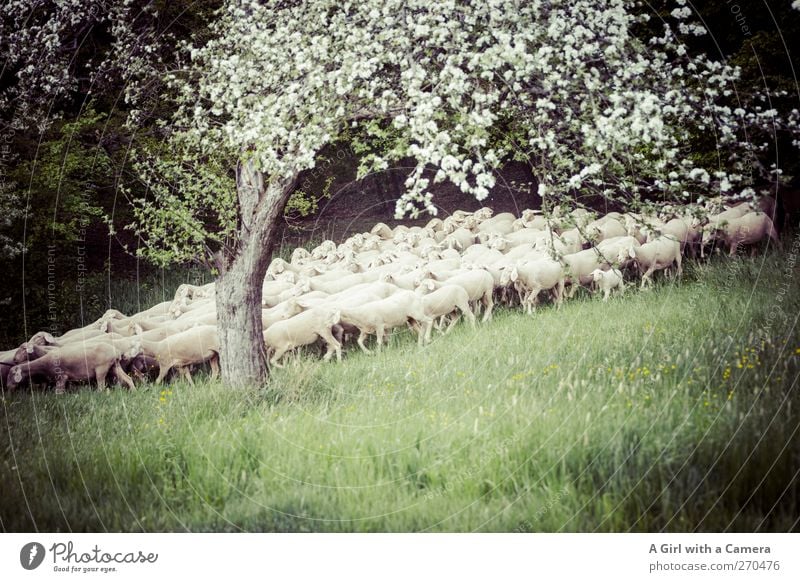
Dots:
(672, 409)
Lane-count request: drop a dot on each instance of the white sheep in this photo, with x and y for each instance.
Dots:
(657, 255)
(749, 229)
(578, 268)
(76, 362)
(444, 301)
(533, 277)
(191, 347)
(477, 282)
(607, 281)
(301, 330)
(377, 317)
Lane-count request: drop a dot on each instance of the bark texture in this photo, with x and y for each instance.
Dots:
(243, 360)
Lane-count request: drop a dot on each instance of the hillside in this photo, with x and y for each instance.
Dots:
(673, 409)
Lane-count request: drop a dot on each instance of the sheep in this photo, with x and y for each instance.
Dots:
(610, 248)
(655, 255)
(301, 330)
(281, 311)
(533, 277)
(529, 221)
(379, 316)
(578, 268)
(382, 231)
(479, 285)
(460, 239)
(196, 345)
(749, 229)
(716, 220)
(524, 236)
(76, 362)
(499, 224)
(573, 239)
(402, 280)
(679, 228)
(444, 301)
(75, 335)
(607, 281)
(553, 244)
(269, 301)
(607, 229)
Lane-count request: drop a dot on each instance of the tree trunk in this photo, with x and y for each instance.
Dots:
(243, 360)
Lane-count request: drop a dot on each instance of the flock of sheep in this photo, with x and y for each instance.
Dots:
(388, 278)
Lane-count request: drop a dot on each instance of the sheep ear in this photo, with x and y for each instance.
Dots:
(48, 338)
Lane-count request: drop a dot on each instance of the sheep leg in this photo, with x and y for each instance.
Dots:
(214, 363)
(559, 290)
(100, 374)
(184, 370)
(440, 323)
(379, 331)
(424, 332)
(333, 345)
(646, 278)
(679, 261)
(361, 337)
(163, 370)
(488, 303)
(573, 288)
(464, 308)
(454, 321)
(606, 293)
(533, 298)
(123, 376)
(61, 384)
(277, 356)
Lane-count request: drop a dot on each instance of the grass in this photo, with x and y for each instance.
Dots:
(672, 409)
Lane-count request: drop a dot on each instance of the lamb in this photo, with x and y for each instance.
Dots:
(379, 316)
(444, 301)
(77, 362)
(607, 281)
(301, 330)
(533, 277)
(656, 255)
(194, 346)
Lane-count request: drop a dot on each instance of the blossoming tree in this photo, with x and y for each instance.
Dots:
(576, 89)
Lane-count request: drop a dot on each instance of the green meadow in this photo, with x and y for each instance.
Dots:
(670, 409)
